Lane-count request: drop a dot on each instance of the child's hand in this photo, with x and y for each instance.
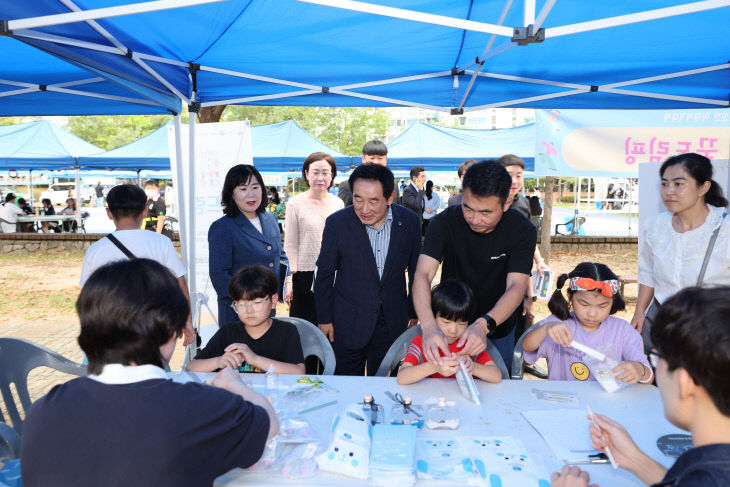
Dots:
(629, 372)
(560, 333)
(243, 350)
(468, 363)
(449, 367)
(229, 359)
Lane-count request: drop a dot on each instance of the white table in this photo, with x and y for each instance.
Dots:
(637, 407)
(46, 218)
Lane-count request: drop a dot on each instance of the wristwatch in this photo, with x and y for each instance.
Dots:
(534, 298)
(491, 324)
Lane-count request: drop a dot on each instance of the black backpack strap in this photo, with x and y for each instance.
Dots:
(121, 246)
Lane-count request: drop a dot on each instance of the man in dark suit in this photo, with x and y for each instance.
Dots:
(413, 193)
(368, 247)
(373, 152)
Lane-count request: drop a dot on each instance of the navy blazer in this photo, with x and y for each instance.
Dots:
(413, 199)
(351, 301)
(234, 243)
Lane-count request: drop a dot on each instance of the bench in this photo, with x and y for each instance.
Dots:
(626, 279)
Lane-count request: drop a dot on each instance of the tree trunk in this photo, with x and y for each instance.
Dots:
(211, 114)
(547, 214)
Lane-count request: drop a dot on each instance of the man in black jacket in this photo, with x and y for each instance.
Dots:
(413, 193)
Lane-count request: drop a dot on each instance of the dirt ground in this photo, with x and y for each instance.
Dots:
(38, 294)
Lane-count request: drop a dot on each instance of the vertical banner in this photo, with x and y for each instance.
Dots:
(218, 147)
(612, 143)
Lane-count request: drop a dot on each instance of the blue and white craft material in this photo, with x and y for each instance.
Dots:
(349, 450)
(443, 459)
(504, 461)
(372, 410)
(404, 412)
(467, 386)
(565, 431)
(441, 414)
(392, 455)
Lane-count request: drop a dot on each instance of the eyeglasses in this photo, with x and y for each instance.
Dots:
(325, 174)
(654, 358)
(256, 305)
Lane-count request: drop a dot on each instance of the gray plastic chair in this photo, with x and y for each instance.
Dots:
(9, 443)
(517, 371)
(314, 343)
(398, 350)
(17, 358)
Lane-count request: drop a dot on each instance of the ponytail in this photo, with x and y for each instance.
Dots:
(714, 195)
(557, 304)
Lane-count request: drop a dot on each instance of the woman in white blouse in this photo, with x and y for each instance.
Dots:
(431, 206)
(674, 243)
(305, 216)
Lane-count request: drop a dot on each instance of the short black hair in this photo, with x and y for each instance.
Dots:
(374, 172)
(9, 197)
(21, 201)
(151, 182)
(128, 309)
(415, 171)
(374, 148)
(46, 200)
(236, 176)
(252, 282)
(464, 166)
(126, 201)
(691, 330)
(511, 160)
(452, 300)
(488, 178)
(314, 157)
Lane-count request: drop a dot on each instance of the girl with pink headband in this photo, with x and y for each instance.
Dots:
(594, 296)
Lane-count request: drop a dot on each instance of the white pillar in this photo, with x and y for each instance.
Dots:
(180, 188)
(191, 210)
(78, 197)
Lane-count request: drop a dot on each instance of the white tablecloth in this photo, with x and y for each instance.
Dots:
(637, 407)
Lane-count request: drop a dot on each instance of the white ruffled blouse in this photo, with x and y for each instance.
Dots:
(670, 261)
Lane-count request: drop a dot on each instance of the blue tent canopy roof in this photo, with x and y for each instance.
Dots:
(438, 148)
(40, 144)
(297, 53)
(279, 146)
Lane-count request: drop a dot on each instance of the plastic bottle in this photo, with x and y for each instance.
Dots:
(407, 413)
(272, 380)
(442, 415)
(372, 410)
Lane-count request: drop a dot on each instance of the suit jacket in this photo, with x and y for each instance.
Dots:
(413, 200)
(234, 243)
(347, 289)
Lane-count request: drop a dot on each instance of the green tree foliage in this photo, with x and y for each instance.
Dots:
(343, 129)
(10, 120)
(110, 132)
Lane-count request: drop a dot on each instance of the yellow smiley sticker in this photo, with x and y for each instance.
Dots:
(580, 370)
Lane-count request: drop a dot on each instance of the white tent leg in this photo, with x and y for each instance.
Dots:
(191, 210)
(180, 187)
(30, 187)
(78, 198)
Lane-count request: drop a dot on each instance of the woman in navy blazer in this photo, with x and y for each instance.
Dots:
(245, 235)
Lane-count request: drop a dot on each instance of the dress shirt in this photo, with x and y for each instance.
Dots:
(380, 241)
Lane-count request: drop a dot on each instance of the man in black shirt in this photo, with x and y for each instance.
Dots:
(488, 248)
(155, 220)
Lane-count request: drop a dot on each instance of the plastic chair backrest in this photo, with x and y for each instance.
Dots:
(17, 358)
(519, 352)
(497, 358)
(398, 350)
(313, 343)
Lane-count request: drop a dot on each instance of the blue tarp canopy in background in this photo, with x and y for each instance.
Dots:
(443, 148)
(40, 145)
(618, 54)
(276, 147)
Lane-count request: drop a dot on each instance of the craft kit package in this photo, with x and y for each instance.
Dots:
(443, 459)
(349, 450)
(392, 455)
(504, 461)
(602, 364)
(292, 451)
(467, 386)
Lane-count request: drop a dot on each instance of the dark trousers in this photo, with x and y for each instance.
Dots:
(302, 303)
(352, 361)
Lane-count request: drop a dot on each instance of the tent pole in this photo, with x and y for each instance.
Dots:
(30, 187)
(191, 210)
(78, 197)
(139, 178)
(180, 186)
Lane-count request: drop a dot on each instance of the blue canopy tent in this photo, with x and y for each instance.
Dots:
(279, 147)
(449, 55)
(444, 148)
